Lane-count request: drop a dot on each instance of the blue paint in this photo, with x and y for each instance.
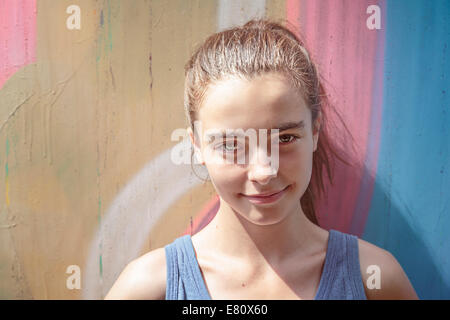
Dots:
(377, 104)
(409, 213)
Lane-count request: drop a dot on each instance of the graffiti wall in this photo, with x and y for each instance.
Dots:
(91, 92)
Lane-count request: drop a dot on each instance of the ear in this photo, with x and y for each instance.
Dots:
(316, 130)
(196, 144)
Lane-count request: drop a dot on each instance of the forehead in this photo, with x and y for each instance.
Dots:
(262, 102)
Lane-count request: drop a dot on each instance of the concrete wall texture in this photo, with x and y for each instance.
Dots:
(88, 106)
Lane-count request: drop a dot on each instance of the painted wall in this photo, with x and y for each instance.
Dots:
(392, 88)
(86, 117)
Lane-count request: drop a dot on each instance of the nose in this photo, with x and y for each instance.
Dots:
(261, 169)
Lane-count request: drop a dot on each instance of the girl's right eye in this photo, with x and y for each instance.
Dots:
(228, 146)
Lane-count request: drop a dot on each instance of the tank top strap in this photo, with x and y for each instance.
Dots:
(184, 279)
(341, 273)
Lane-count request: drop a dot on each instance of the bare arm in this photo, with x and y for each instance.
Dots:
(143, 278)
(394, 283)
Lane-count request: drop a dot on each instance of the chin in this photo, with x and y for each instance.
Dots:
(264, 216)
(267, 220)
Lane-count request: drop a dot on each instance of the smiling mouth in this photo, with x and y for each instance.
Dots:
(264, 195)
(267, 199)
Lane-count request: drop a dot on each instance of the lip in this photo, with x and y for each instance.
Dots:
(267, 198)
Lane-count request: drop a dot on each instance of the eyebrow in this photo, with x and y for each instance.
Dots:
(291, 125)
(281, 127)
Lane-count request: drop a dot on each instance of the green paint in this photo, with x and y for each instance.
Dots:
(101, 266)
(99, 210)
(104, 41)
(6, 168)
(7, 147)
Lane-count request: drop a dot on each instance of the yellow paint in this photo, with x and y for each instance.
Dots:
(78, 117)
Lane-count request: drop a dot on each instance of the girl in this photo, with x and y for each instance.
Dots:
(265, 241)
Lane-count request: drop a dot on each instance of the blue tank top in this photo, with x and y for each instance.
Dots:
(340, 280)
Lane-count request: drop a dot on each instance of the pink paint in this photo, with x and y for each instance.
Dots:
(373, 146)
(345, 51)
(204, 217)
(17, 36)
(293, 12)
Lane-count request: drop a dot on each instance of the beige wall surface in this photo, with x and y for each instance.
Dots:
(85, 141)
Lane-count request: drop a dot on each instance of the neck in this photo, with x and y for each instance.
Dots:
(236, 237)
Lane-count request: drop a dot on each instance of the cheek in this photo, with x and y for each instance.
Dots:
(227, 179)
(296, 163)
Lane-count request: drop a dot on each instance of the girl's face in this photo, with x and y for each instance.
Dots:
(266, 102)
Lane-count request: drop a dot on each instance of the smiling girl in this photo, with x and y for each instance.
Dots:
(265, 241)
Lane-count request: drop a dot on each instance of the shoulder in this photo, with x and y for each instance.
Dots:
(142, 278)
(382, 275)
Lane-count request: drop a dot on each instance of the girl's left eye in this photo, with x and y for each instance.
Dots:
(288, 138)
(229, 146)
